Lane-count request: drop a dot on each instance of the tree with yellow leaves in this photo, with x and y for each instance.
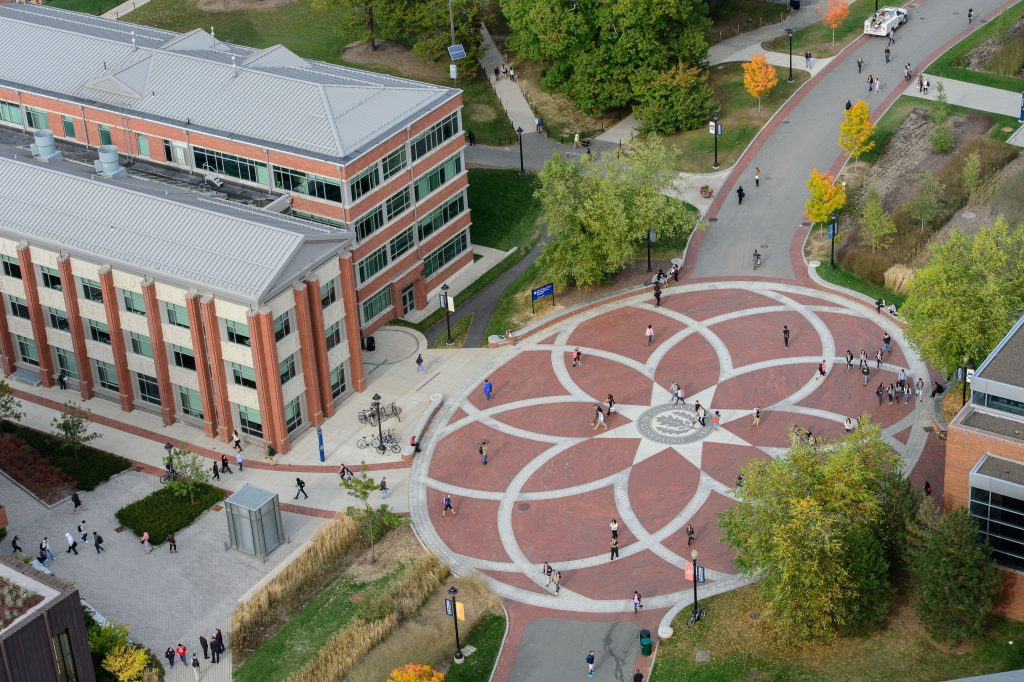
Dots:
(827, 197)
(414, 672)
(834, 14)
(856, 130)
(759, 77)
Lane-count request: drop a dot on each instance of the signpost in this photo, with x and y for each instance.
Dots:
(542, 292)
(715, 128)
(1021, 118)
(447, 303)
(833, 231)
(320, 443)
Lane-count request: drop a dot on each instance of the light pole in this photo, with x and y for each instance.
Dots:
(833, 228)
(963, 400)
(447, 317)
(714, 122)
(455, 619)
(789, 32)
(519, 132)
(696, 610)
(380, 429)
(652, 236)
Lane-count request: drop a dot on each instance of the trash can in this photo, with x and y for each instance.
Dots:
(645, 642)
(795, 4)
(371, 344)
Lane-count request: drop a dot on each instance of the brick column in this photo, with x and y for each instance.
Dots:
(124, 377)
(348, 299)
(156, 337)
(195, 325)
(35, 313)
(218, 374)
(307, 352)
(6, 343)
(67, 285)
(319, 331)
(268, 379)
(420, 291)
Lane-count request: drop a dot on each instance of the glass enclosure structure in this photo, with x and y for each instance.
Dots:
(254, 521)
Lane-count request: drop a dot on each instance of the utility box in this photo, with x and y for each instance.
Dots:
(254, 521)
(645, 642)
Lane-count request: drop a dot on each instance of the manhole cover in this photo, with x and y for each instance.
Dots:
(523, 506)
(673, 424)
(764, 246)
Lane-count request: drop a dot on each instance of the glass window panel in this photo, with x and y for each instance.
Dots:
(19, 307)
(142, 142)
(370, 223)
(249, 421)
(333, 335)
(337, 381)
(36, 118)
(243, 375)
(183, 357)
(105, 135)
(401, 244)
(10, 113)
(434, 136)
(106, 375)
(69, 127)
(328, 294)
(66, 361)
(282, 326)
(437, 177)
(376, 304)
(441, 216)
(393, 162)
(191, 404)
(149, 390)
(238, 332)
(99, 332)
(287, 369)
(58, 319)
(27, 351)
(397, 203)
(177, 315)
(293, 415)
(141, 345)
(372, 264)
(91, 290)
(11, 266)
(446, 254)
(364, 182)
(51, 278)
(134, 302)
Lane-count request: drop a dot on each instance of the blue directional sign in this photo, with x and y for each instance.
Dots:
(1021, 108)
(544, 291)
(457, 52)
(320, 443)
(449, 608)
(700, 574)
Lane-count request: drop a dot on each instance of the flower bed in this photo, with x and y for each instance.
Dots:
(14, 601)
(93, 466)
(163, 512)
(25, 465)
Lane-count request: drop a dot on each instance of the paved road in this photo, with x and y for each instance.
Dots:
(803, 137)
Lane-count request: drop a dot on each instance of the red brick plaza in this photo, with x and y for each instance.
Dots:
(552, 483)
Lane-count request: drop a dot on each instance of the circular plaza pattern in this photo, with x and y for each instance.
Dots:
(552, 483)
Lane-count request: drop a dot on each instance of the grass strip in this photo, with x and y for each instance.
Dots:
(486, 637)
(459, 332)
(953, 63)
(847, 280)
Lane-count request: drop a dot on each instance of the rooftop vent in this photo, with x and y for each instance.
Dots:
(43, 148)
(107, 165)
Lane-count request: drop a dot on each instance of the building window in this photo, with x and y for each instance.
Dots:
(333, 335)
(91, 290)
(58, 319)
(99, 332)
(141, 345)
(364, 182)
(328, 294)
(11, 266)
(107, 375)
(149, 390)
(434, 136)
(397, 203)
(142, 143)
(105, 135)
(376, 304)
(1005, 404)
(282, 326)
(183, 357)
(441, 216)
(437, 177)
(238, 332)
(231, 166)
(69, 127)
(36, 118)
(51, 278)
(337, 381)
(243, 376)
(287, 369)
(249, 421)
(64, 657)
(400, 244)
(191, 404)
(308, 184)
(66, 361)
(393, 162)
(10, 113)
(177, 315)
(19, 307)
(446, 254)
(1001, 520)
(292, 415)
(134, 302)
(370, 223)
(372, 264)
(27, 351)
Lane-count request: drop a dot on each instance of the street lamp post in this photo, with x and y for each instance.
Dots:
(714, 121)
(652, 236)
(447, 317)
(380, 429)
(455, 619)
(789, 32)
(696, 610)
(833, 228)
(519, 132)
(963, 400)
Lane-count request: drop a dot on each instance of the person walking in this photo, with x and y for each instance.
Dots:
(610, 402)
(919, 388)
(689, 534)
(216, 648)
(182, 652)
(892, 39)
(385, 491)
(577, 357)
(886, 342)
(757, 177)
(76, 500)
(556, 577)
(674, 390)
(72, 544)
(614, 527)
(497, 72)
(62, 380)
(757, 416)
(878, 84)
(216, 471)
(649, 334)
(195, 667)
(860, 64)
(16, 546)
(715, 420)
(638, 676)
(866, 372)
(169, 655)
(927, 488)
(488, 390)
(576, 144)
(879, 392)
(599, 418)
(657, 295)
(920, 82)
(906, 393)
(849, 359)
(172, 543)
(821, 369)
(471, 137)
(849, 104)
(224, 466)
(82, 532)
(637, 601)
(236, 440)
(891, 393)
(446, 505)
(300, 488)
(97, 542)
(44, 547)
(240, 461)
(807, 59)
(590, 663)
(615, 548)
(848, 425)
(863, 357)
(740, 194)
(420, 365)
(785, 335)
(970, 16)
(878, 359)
(546, 571)
(483, 452)
(871, 82)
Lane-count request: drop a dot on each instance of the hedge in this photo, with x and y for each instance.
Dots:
(93, 467)
(163, 512)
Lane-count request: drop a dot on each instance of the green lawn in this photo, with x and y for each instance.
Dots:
(93, 466)
(459, 331)
(741, 119)
(504, 208)
(486, 636)
(949, 64)
(742, 649)
(88, 6)
(848, 280)
(818, 37)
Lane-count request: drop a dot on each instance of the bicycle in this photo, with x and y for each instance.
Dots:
(369, 417)
(367, 441)
(391, 410)
(171, 475)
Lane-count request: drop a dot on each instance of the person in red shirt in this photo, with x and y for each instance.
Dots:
(182, 652)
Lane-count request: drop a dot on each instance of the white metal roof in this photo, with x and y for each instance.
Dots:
(271, 96)
(171, 234)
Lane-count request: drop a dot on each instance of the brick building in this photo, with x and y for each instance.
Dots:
(137, 291)
(379, 156)
(985, 461)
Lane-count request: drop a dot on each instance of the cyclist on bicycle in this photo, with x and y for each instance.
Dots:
(757, 258)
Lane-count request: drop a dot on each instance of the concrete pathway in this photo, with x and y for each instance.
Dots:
(724, 50)
(123, 9)
(971, 95)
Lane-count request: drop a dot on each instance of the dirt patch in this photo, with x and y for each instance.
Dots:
(398, 546)
(985, 55)
(236, 5)
(393, 56)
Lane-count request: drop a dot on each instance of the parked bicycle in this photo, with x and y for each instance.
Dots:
(391, 410)
(369, 417)
(367, 441)
(169, 475)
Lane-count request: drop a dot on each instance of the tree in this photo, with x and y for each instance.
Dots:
(602, 54)
(940, 113)
(678, 99)
(190, 473)
(374, 522)
(967, 295)
(900, 503)
(970, 175)
(827, 197)
(125, 662)
(834, 14)
(869, 602)
(72, 426)
(759, 77)
(926, 205)
(793, 523)
(414, 672)
(876, 226)
(856, 130)
(941, 137)
(956, 582)
(598, 212)
(10, 407)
